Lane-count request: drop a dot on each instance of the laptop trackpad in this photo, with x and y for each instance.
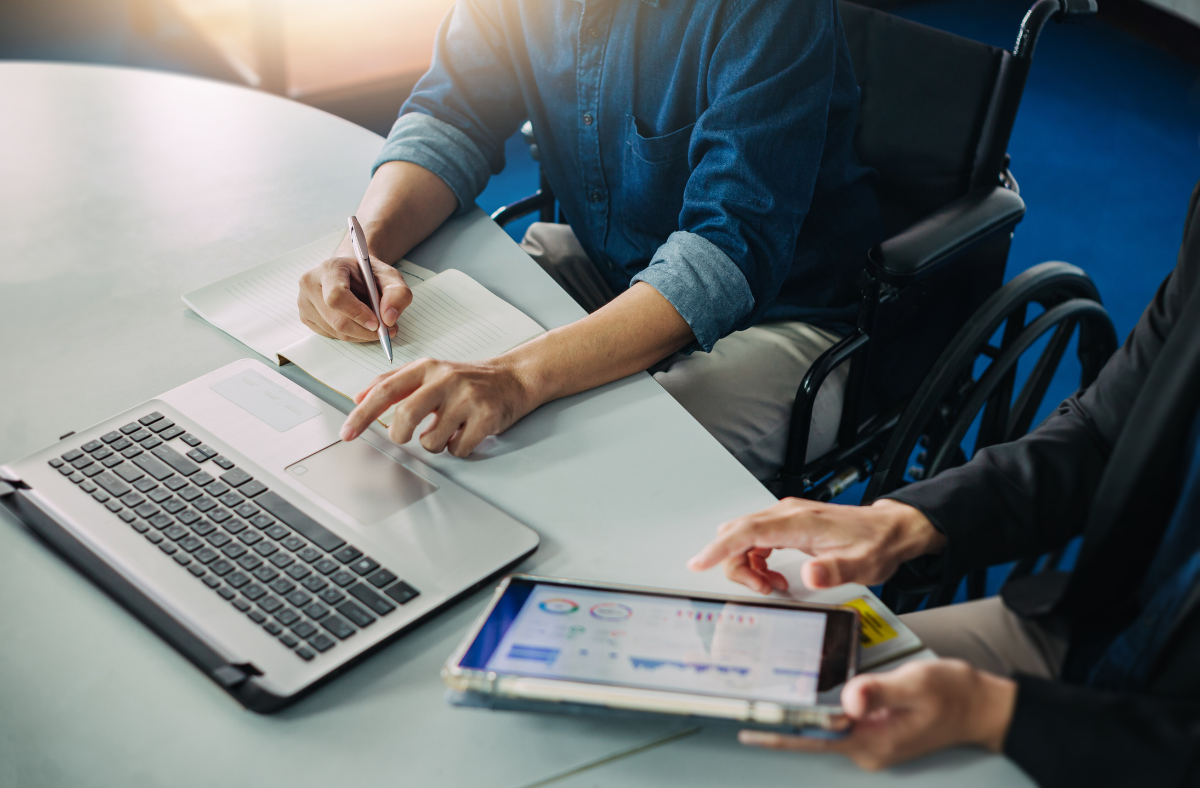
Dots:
(361, 480)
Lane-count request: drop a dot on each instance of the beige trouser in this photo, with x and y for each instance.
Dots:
(742, 392)
(991, 637)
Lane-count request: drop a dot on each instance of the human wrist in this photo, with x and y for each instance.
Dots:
(912, 534)
(991, 712)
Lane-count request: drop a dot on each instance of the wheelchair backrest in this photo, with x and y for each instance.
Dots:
(926, 96)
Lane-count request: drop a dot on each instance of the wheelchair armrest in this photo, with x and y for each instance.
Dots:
(948, 232)
(523, 207)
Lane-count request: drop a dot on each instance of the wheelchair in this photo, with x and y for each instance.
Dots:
(935, 351)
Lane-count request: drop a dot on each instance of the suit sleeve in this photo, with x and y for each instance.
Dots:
(1031, 496)
(1066, 735)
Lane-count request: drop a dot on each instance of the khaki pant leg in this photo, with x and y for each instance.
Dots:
(991, 637)
(743, 391)
(556, 249)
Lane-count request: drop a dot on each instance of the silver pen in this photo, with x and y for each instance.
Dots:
(364, 265)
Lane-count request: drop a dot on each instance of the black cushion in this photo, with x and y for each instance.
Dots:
(925, 97)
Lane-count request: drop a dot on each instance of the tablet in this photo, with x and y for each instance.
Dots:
(764, 661)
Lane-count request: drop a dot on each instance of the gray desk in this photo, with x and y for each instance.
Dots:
(123, 189)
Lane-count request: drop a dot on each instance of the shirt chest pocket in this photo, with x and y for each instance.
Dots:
(654, 177)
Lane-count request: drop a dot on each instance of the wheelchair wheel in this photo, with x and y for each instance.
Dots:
(957, 394)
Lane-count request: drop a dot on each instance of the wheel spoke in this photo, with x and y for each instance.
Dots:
(1030, 398)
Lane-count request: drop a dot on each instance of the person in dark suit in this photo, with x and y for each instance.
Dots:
(1088, 678)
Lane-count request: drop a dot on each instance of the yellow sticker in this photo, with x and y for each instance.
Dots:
(874, 629)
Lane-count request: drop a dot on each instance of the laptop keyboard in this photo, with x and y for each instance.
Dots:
(298, 580)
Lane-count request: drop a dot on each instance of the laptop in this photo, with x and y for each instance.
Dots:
(229, 517)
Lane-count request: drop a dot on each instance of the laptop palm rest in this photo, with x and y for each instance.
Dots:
(361, 480)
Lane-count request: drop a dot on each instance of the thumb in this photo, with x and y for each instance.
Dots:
(394, 294)
(823, 572)
(866, 694)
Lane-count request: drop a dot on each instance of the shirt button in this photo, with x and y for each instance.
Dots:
(588, 119)
(596, 196)
(593, 33)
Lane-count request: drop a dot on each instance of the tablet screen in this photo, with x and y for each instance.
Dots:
(656, 642)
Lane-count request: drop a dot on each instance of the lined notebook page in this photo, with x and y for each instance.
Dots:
(452, 317)
(258, 306)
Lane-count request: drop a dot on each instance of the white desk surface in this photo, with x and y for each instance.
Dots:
(123, 189)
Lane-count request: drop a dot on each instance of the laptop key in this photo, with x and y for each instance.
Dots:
(282, 560)
(158, 495)
(402, 592)
(254, 591)
(277, 532)
(281, 510)
(298, 598)
(150, 418)
(270, 604)
(265, 549)
(249, 537)
(272, 628)
(237, 579)
(309, 554)
(175, 483)
(332, 596)
(316, 610)
(234, 551)
(356, 614)
(241, 605)
(338, 627)
(88, 487)
(246, 510)
(113, 461)
(235, 527)
(283, 586)
(206, 555)
(203, 478)
(256, 617)
(91, 446)
(304, 653)
(132, 499)
(93, 471)
(154, 537)
(120, 444)
(180, 464)
(189, 493)
(213, 582)
(139, 436)
(364, 566)
(217, 489)
(347, 554)
(230, 499)
(109, 437)
(314, 583)
(72, 455)
(204, 503)
(144, 484)
(223, 462)
(219, 539)
(265, 574)
(372, 600)
(342, 578)
(208, 451)
(252, 488)
(219, 515)
(101, 453)
(261, 522)
(141, 527)
(161, 521)
(236, 477)
(190, 543)
(297, 571)
(146, 510)
(322, 642)
(287, 616)
(325, 566)
(129, 472)
(196, 455)
(221, 567)
(175, 506)
(293, 543)
(304, 629)
(190, 439)
(175, 532)
(81, 462)
(381, 578)
(159, 425)
(153, 466)
(170, 434)
(168, 547)
(103, 497)
(196, 569)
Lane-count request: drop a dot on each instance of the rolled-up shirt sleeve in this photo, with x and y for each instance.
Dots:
(440, 148)
(463, 109)
(703, 284)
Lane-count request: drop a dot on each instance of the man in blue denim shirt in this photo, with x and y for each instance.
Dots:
(702, 155)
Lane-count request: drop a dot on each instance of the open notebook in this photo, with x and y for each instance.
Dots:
(452, 317)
